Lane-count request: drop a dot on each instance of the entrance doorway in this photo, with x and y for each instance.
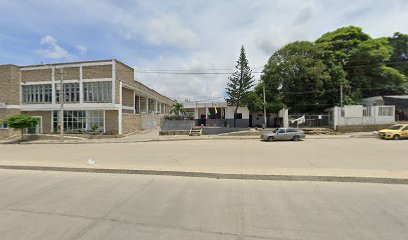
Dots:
(203, 120)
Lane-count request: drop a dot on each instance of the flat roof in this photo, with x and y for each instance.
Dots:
(64, 63)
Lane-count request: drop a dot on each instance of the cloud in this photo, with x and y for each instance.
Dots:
(168, 30)
(53, 50)
(304, 15)
(81, 49)
(183, 34)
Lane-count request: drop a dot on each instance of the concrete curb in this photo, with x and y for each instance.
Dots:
(346, 179)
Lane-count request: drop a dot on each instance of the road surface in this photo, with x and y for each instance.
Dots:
(361, 157)
(61, 205)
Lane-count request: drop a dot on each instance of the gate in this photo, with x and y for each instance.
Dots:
(312, 120)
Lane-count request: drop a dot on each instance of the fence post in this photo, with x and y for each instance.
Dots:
(285, 115)
(335, 115)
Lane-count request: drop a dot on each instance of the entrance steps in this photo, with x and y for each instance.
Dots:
(195, 131)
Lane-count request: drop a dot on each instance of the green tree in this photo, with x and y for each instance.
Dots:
(239, 84)
(399, 58)
(297, 77)
(339, 43)
(364, 61)
(22, 122)
(367, 71)
(178, 109)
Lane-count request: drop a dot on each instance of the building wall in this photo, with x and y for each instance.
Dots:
(229, 112)
(70, 73)
(257, 119)
(131, 123)
(353, 116)
(150, 121)
(46, 119)
(111, 122)
(125, 75)
(11, 75)
(5, 113)
(127, 97)
(10, 84)
(37, 75)
(5, 133)
(99, 71)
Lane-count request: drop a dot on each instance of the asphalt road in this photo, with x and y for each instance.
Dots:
(61, 205)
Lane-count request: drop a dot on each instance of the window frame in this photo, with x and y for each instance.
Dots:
(36, 93)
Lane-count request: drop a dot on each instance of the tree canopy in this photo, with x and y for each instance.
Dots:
(297, 76)
(307, 76)
(21, 121)
(399, 58)
(178, 109)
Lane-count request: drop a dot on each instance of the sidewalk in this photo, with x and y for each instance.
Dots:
(152, 135)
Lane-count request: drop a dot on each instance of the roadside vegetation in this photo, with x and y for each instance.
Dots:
(307, 76)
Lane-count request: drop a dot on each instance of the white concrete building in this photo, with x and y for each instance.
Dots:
(217, 114)
(354, 115)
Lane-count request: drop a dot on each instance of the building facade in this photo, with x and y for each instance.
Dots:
(98, 97)
(399, 101)
(217, 114)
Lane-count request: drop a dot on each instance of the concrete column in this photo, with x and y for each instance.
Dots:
(140, 110)
(285, 116)
(335, 117)
(195, 113)
(147, 105)
(155, 106)
(81, 86)
(134, 102)
(54, 92)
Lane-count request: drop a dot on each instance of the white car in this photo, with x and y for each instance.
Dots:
(283, 134)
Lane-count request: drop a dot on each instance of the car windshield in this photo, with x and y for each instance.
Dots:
(276, 130)
(395, 127)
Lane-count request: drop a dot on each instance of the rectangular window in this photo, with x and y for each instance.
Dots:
(80, 121)
(97, 91)
(71, 92)
(3, 125)
(367, 112)
(385, 111)
(41, 93)
(238, 116)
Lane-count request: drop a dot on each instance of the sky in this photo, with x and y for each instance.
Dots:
(187, 36)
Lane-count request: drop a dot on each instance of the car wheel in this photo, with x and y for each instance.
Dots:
(271, 139)
(296, 138)
(396, 137)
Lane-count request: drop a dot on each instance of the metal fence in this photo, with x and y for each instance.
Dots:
(323, 120)
(176, 125)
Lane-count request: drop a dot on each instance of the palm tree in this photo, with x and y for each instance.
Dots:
(177, 109)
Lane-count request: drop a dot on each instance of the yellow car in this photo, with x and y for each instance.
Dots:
(395, 132)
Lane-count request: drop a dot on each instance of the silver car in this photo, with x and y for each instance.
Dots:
(283, 134)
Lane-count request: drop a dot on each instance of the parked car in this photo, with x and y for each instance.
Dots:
(283, 134)
(395, 132)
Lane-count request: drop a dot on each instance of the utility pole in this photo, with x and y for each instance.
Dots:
(62, 99)
(264, 105)
(341, 95)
